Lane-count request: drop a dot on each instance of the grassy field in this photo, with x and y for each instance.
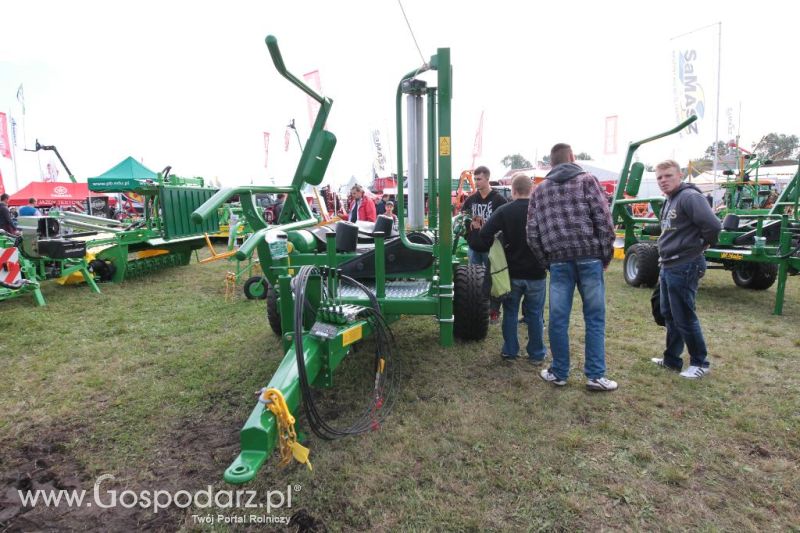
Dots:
(151, 381)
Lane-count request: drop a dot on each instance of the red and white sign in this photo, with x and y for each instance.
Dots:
(9, 266)
(5, 146)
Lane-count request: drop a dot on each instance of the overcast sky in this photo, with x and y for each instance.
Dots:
(191, 85)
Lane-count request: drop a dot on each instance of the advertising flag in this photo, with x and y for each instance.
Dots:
(695, 69)
(5, 146)
(312, 80)
(266, 149)
(21, 98)
(610, 144)
(477, 146)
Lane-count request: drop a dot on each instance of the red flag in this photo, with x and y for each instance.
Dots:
(477, 147)
(266, 149)
(610, 145)
(312, 80)
(286, 137)
(5, 146)
(2, 187)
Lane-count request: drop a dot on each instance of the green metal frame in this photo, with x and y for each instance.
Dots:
(35, 271)
(322, 356)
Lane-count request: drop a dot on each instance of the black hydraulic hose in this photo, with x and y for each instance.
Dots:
(382, 397)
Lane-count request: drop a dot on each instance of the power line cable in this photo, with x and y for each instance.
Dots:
(422, 57)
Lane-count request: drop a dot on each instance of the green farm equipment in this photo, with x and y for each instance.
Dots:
(164, 237)
(39, 253)
(758, 246)
(331, 287)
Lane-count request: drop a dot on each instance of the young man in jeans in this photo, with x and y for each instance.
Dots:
(480, 206)
(570, 232)
(688, 227)
(528, 283)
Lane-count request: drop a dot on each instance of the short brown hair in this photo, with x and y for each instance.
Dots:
(521, 184)
(560, 153)
(481, 170)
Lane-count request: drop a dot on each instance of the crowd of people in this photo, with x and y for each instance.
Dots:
(563, 226)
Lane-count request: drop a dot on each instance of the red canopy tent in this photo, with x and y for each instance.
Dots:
(53, 193)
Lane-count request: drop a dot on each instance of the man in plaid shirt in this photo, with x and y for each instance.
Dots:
(570, 231)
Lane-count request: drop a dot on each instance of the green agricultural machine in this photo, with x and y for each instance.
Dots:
(330, 287)
(757, 246)
(164, 237)
(40, 252)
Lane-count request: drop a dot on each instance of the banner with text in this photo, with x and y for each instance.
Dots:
(694, 67)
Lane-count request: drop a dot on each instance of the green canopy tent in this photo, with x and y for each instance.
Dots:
(129, 174)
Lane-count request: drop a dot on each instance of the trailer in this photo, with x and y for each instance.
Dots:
(331, 287)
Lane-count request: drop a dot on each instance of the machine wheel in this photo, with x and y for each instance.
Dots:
(470, 304)
(756, 276)
(255, 288)
(641, 265)
(273, 316)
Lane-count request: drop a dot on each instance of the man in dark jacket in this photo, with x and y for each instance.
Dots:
(480, 205)
(528, 283)
(6, 220)
(688, 227)
(570, 232)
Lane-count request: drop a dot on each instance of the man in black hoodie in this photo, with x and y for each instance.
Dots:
(527, 275)
(480, 206)
(570, 232)
(688, 227)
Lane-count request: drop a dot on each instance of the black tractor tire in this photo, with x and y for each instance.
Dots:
(640, 267)
(273, 315)
(755, 276)
(255, 288)
(470, 303)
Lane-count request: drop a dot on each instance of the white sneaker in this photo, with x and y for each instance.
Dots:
(695, 372)
(551, 378)
(602, 384)
(660, 362)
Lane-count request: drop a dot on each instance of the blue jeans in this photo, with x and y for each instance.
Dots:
(478, 258)
(531, 292)
(678, 293)
(587, 274)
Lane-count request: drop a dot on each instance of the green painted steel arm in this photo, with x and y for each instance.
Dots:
(258, 437)
(248, 246)
(223, 195)
(277, 60)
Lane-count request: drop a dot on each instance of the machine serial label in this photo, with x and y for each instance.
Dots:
(444, 146)
(351, 335)
(734, 257)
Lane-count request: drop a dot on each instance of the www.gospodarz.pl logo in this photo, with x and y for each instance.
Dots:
(157, 500)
